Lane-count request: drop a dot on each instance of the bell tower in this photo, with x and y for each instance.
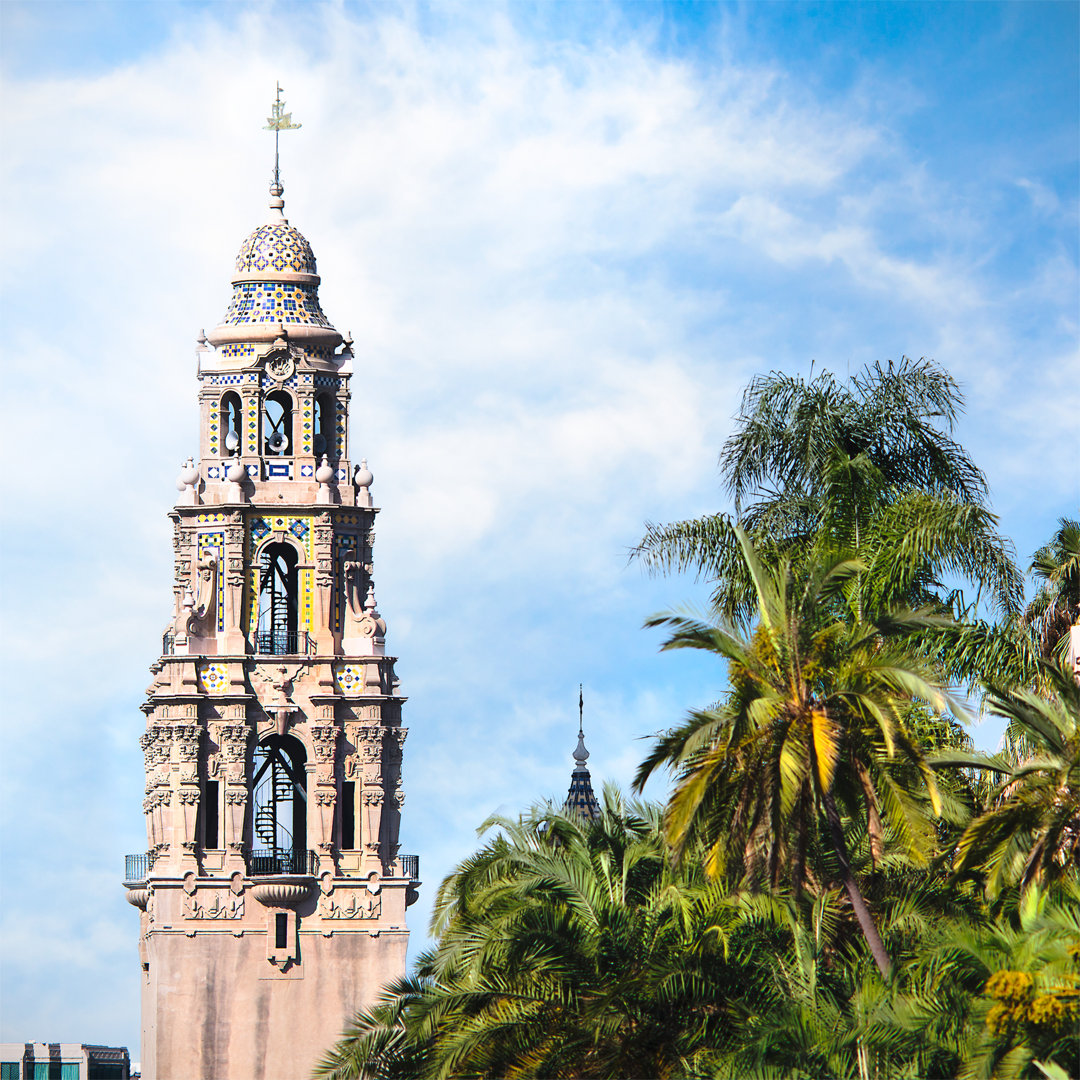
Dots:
(272, 895)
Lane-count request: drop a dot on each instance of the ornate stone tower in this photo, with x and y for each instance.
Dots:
(272, 894)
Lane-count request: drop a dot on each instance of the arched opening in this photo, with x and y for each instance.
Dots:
(276, 624)
(324, 441)
(279, 799)
(230, 423)
(277, 423)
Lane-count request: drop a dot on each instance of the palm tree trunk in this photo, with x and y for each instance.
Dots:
(862, 912)
(873, 817)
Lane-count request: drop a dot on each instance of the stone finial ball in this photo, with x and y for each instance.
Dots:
(188, 475)
(325, 472)
(362, 477)
(237, 474)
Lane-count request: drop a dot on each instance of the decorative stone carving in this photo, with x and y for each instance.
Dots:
(232, 740)
(206, 591)
(354, 586)
(186, 739)
(324, 741)
(235, 808)
(280, 707)
(359, 905)
(138, 897)
(373, 802)
(221, 905)
(283, 892)
(369, 743)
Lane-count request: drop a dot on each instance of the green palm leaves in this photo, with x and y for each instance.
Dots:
(565, 949)
(869, 467)
(1030, 830)
(816, 711)
(810, 900)
(1056, 606)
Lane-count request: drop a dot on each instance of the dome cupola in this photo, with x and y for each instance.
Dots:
(275, 284)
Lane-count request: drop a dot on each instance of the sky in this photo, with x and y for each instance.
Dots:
(564, 236)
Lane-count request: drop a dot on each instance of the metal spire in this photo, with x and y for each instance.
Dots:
(279, 121)
(580, 798)
(581, 755)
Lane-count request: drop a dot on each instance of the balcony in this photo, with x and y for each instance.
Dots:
(410, 866)
(137, 868)
(284, 643)
(267, 862)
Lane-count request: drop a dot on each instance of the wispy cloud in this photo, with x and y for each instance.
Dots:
(560, 261)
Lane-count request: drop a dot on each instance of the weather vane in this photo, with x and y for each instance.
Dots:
(278, 122)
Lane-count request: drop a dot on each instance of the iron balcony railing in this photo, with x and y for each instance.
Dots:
(283, 643)
(138, 867)
(410, 866)
(266, 862)
(168, 643)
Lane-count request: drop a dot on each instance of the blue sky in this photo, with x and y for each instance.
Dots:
(564, 236)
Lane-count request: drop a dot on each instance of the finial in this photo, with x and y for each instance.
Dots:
(189, 474)
(325, 472)
(581, 755)
(278, 121)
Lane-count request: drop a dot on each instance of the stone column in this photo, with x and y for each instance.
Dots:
(233, 739)
(321, 831)
(233, 569)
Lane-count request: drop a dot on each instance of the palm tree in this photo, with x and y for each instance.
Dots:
(869, 466)
(997, 996)
(816, 713)
(1031, 830)
(565, 948)
(1056, 606)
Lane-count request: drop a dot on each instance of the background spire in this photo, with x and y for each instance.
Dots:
(581, 755)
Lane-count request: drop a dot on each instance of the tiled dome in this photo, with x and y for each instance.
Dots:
(275, 290)
(274, 302)
(276, 247)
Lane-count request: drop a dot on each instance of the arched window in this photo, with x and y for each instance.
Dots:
(277, 423)
(325, 439)
(279, 798)
(230, 423)
(276, 624)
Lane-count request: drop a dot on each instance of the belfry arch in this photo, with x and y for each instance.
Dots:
(277, 615)
(279, 806)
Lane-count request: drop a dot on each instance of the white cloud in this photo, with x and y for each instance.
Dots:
(560, 265)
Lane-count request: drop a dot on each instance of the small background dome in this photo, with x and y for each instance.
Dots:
(277, 247)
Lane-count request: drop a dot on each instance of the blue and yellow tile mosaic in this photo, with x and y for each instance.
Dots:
(213, 678)
(307, 585)
(252, 426)
(213, 544)
(236, 350)
(274, 302)
(213, 427)
(276, 247)
(350, 678)
(270, 383)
